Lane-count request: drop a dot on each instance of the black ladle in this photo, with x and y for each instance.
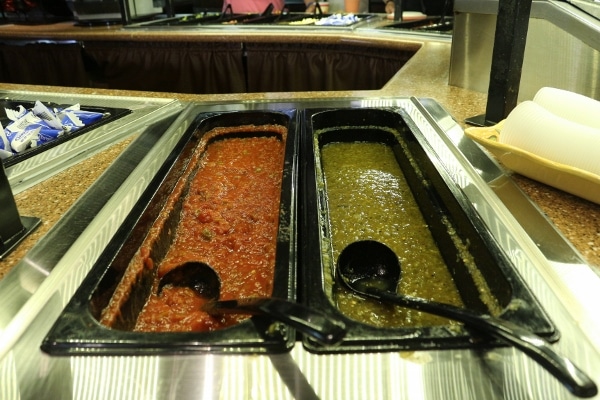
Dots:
(372, 269)
(205, 281)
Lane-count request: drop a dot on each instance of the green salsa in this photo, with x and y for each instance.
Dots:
(368, 198)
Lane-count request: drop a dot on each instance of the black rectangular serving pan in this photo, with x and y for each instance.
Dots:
(77, 330)
(290, 18)
(429, 24)
(109, 115)
(231, 20)
(199, 20)
(438, 197)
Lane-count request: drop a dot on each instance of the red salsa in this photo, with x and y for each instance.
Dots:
(230, 221)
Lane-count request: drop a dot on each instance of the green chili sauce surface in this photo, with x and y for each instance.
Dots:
(368, 198)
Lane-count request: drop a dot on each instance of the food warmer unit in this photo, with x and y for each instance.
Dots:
(52, 345)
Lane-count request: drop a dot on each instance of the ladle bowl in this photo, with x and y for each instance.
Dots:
(205, 281)
(372, 269)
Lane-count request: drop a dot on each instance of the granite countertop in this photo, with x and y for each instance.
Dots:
(425, 75)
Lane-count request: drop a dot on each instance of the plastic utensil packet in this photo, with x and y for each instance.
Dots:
(4, 142)
(41, 124)
(5, 150)
(24, 139)
(86, 117)
(24, 132)
(70, 121)
(5, 154)
(14, 115)
(43, 112)
(45, 136)
(21, 123)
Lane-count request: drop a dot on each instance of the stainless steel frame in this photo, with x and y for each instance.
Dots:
(559, 278)
(562, 49)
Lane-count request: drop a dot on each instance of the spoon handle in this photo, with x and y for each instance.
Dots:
(322, 328)
(539, 349)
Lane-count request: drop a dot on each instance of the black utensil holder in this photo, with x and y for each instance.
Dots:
(13, 227)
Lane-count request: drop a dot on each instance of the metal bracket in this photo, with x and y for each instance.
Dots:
(398, 10)
(507, 61)
(13, 227)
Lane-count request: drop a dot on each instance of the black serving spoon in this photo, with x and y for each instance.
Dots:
(203, 279)
(372, 269)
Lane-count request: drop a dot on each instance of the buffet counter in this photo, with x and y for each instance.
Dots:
(424, 75)
(560, 234)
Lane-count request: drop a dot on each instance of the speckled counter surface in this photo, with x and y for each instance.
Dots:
(425, 75)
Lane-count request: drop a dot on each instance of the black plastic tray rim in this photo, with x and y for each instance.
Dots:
(77, 332)
(365, 338)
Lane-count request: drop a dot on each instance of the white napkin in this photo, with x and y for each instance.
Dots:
(538, 130)
(572, 106)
